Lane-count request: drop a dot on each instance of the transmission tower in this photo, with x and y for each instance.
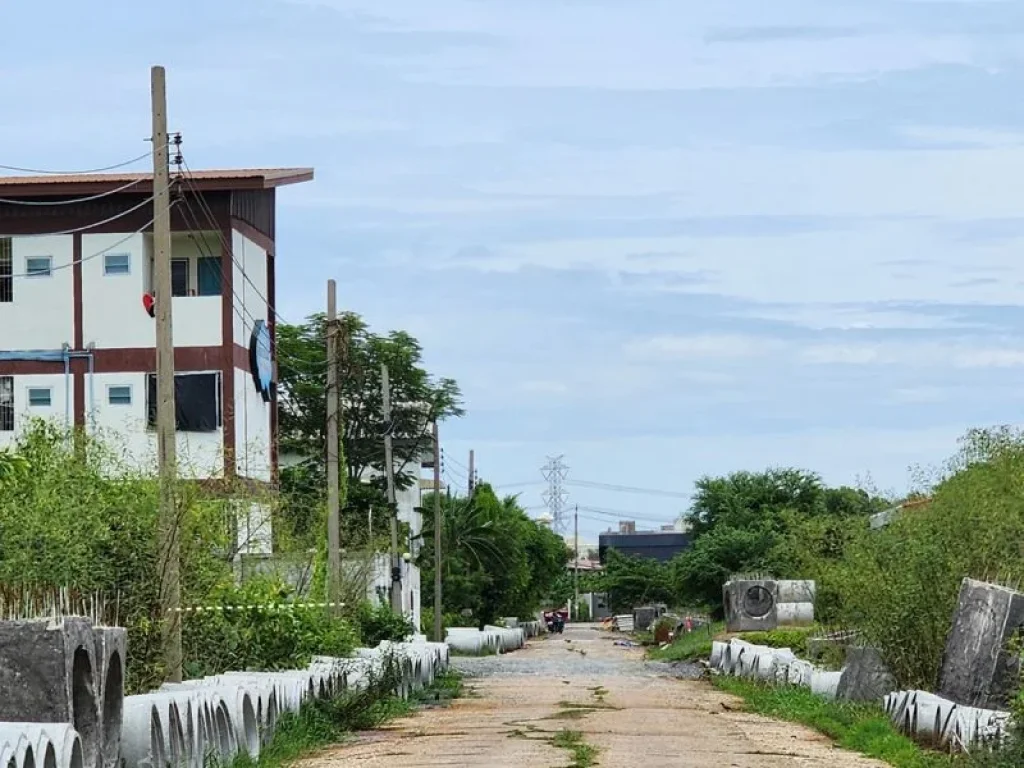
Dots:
(555, 496)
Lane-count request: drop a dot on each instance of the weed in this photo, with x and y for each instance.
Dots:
(688, 647)
(583, 754)
(863, 728)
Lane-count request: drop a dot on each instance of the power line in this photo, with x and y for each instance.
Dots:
(628, 489)
(622, 515)
(73, 200)
(93, 225)
(76, 173)
(91, 256)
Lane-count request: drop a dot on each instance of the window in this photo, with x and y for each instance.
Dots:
(179, 277)
(117, 264)
(197, 405)
(208, 275)
(6, 403)
(120, 394)
(6, 271)
(39, 266)
(39, 397)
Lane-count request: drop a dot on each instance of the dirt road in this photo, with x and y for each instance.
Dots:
(631, 713)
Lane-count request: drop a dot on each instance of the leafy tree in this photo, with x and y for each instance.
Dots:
(497, 561)
(631, 581)
(417, 399)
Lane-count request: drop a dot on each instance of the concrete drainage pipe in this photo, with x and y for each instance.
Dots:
(142, 733)
(824, 683)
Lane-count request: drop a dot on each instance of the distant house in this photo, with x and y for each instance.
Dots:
(885, 517)
(660, 545)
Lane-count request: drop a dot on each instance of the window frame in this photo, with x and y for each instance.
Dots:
(107, 272)
(218, 393)
(30, 391)
(188, 277)
(110, 395)
(6, 270)
(7, 411)
(29, 273)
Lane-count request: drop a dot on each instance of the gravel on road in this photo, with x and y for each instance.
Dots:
(522, 706)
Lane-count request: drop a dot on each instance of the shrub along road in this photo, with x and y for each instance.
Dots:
(579, 700)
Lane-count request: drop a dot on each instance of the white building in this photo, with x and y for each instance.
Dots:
(77, 338)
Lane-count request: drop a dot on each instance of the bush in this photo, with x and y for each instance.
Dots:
(260, 638)
(379, 622)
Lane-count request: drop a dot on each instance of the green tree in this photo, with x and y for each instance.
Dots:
(417, 400)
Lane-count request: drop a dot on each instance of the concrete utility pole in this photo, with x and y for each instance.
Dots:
(576, 573)
(472, 470)
(169, 559)
(333, 481)
(389, 469)
(438, 603)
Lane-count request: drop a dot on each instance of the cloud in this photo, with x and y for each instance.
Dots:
(961, 354)
(773, 34)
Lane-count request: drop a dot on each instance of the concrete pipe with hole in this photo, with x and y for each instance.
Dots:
(142, 733)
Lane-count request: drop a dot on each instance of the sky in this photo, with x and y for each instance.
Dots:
(662, 238)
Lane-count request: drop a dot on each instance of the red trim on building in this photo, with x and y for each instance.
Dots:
(78, 367)
(227, 357)
(249, 231)
(272, 327)
(135, 360)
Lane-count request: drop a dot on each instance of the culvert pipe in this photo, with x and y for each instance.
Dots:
(825, 683)
(142, 733)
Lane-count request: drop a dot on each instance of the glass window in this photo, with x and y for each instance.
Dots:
(117, 264)
(208, 274)
(6, 403)
(179, 277)
(6, 271)
(39, 397)
(119, 394)
(39, 266)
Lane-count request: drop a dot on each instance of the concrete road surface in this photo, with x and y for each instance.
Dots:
(634, 713)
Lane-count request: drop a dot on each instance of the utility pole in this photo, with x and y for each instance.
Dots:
(389, 469)
(333, 481)
(170, 577)
(576, 574)
(472, 470)
(438, 603)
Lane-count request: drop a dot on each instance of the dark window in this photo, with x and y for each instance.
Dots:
(6, 271)
(196, 401)
(6, 403)
(208, 275)
(179, 277)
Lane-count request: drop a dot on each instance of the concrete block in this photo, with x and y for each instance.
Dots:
(750, 605)
(865, 676)
(48, 675)
(978, 667)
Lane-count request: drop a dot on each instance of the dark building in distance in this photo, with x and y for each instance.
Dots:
(660, 545)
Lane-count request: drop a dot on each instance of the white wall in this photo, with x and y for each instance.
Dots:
(252, 430)
(112, 312)
(200, 454)
(250, 299)
(61, 408)
(42, 314)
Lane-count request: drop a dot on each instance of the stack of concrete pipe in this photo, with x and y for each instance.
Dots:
(489, 640)
(933, 720)
(62, 702)
(772, 665)
(40, 745)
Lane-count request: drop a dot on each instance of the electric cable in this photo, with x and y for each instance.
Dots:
(76, 173)
(72, 201)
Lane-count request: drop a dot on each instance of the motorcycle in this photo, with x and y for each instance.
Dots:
(555, 621)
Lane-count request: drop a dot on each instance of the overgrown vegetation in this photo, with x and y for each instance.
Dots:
(858, 727)
(324, 722)
(497, 561)
(583, 754)
(688, 646)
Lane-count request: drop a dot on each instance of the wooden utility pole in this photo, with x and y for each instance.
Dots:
(333, 481)
(576, 572)
(438, 603)
(472, 470)
(389, 469)
(170, 578)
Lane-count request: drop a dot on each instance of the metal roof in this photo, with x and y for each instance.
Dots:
(210, 180)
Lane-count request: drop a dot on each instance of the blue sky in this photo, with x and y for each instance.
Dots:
(663, 238)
